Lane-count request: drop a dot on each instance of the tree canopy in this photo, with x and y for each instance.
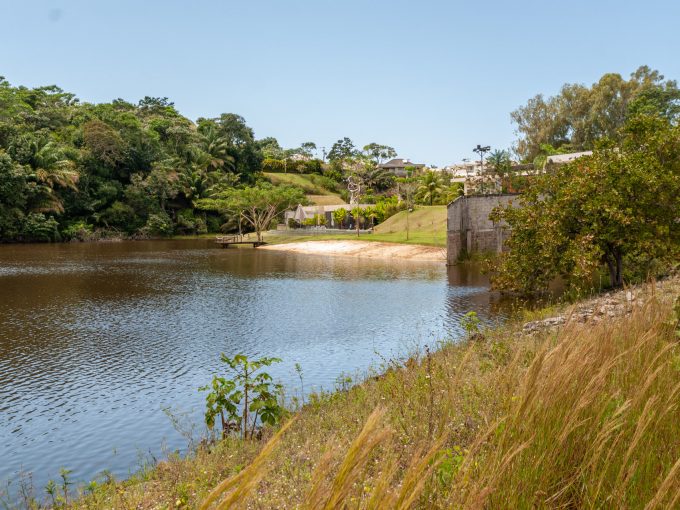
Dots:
(256, 205)
(579, 115)
(618, 209)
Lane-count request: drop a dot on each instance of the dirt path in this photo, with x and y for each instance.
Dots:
(363, 249)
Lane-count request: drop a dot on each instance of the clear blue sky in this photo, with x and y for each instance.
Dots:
(431, 78)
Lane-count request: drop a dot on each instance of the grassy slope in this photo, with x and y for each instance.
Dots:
(427, 225)
(316, 194)
(583, 417)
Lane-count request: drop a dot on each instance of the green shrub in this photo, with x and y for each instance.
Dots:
(120, 215)
(78, 231)
(37, 227)
(318, 219)
(159, 224)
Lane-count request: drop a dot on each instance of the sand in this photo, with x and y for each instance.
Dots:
(363, 249)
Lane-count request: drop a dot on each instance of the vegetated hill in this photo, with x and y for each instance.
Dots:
(316, 192)
(513, 417)
(426, 225)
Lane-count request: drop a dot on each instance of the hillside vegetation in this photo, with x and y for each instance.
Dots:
(584, 416)
(311, 184)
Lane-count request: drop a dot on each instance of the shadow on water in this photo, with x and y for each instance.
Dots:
(95, 339)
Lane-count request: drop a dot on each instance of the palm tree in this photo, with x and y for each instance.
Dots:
(371, 213)
(375, 177)
(430, 187)
(217, 149)
(50, 170)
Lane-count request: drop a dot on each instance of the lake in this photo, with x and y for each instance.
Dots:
(97, 339)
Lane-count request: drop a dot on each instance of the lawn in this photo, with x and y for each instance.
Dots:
(426, 225)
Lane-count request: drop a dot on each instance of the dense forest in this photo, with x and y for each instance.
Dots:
(71, 170)
(68, 169)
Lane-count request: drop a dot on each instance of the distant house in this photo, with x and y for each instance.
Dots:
(398, 166)
(563, 159)
(304, 212)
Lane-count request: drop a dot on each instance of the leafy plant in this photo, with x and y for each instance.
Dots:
(470, 323)
(242, 401)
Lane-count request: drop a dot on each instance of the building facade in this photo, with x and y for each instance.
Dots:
(469, 229)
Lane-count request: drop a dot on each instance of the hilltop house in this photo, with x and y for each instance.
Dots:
(398, 166)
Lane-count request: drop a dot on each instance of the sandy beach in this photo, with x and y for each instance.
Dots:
(363, 249)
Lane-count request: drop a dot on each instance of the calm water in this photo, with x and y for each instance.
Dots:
(96, 339)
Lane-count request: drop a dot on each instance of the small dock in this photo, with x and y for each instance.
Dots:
(235, 240)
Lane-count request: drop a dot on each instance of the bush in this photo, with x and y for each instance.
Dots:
(188, 223)
(313, 166)
(334, 171)
(273, 165)
(318, 219)
(159, 224)
(213, 223)
(120, 215)
(324, 182)
(37, 227)
(78, 231)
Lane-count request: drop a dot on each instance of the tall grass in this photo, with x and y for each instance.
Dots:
(596, 422)
(584, 417)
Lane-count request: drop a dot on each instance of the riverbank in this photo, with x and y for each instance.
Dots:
(575, 408)
(361, 249)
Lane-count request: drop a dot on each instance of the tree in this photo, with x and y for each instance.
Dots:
(581, 115)
(258, 205)
(342, 150)
(339, 216)
(357, 214)
(617, 208)
(379, 153)
(430, 187)
(374, 177)
(307, 149)
(270, 148)
(51, 170)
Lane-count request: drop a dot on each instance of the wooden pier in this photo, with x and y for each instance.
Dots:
(234, 240)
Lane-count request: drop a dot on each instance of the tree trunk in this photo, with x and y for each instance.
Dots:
(615, 265)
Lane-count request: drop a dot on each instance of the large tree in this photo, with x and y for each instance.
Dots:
(379, 153)
(257, 205)
(579, 115)
(342, 150)
(616, 209)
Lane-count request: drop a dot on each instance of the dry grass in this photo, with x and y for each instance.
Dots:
(584, 417)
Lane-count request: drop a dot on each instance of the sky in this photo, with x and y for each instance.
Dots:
(430, 78)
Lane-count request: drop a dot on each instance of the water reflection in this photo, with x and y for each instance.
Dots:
(95, 339)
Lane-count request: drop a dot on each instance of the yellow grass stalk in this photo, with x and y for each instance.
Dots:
(671, 479)
(244, 482)
(371, 435)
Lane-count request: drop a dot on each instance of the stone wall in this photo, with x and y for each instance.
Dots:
(469, 228)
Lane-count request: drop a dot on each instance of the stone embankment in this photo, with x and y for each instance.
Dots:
(610, 305)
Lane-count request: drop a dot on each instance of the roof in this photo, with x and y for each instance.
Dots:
(330, 208)
(559, 159)
(400, 163)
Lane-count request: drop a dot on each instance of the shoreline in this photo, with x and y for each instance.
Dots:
(362, 249)
(482, 357)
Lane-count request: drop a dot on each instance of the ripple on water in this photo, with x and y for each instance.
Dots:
(95, 341)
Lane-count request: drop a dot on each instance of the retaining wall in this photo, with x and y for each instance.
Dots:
(469, 228)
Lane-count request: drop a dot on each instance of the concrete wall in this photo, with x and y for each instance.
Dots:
(469, 228)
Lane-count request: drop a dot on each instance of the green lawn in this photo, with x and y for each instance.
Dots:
(427, 225)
